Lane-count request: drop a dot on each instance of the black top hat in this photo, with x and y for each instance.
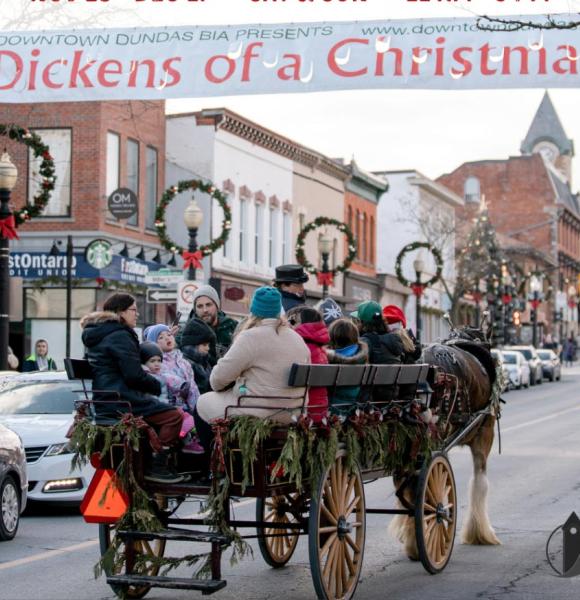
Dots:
(290, 274)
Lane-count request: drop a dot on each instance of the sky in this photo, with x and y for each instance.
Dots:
(430, 131)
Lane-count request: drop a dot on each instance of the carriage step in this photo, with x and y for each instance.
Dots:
(177, 535)
(205, 586)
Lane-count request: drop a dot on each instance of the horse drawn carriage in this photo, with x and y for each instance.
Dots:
(307, 481)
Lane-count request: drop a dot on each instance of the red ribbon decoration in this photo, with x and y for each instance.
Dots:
(325, 278)
(506, 298)
(418, 289)
(192, 259)
(8, 228)
(535, 304)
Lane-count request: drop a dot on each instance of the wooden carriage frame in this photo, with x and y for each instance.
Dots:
(333, 516)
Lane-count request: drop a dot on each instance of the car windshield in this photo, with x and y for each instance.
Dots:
(527, 353)
(544, 355)
(34, 398)
(510, 359)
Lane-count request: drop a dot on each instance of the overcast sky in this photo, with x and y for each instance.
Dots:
(431, 131)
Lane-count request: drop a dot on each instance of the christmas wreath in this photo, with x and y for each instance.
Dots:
(418, 288)
(40, 150)
(192, 259)
(325, 278)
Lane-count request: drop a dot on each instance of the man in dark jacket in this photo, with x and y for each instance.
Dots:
(290, 280)
(207, 309)
(39, 359)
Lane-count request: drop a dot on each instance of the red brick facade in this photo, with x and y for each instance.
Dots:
(361, 216)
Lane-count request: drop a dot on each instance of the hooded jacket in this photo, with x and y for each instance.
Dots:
(343, 400)
(316, 337)
(224, 332)
(112, 349)
(384, 349)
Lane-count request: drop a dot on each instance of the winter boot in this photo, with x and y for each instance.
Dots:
(160, 471)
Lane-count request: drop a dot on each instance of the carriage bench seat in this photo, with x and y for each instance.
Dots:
(364, 376)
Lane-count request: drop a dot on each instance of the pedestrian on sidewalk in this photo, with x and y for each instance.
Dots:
(39, 359)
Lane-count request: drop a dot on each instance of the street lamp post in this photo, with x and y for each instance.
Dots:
(419, 267)
(8, 177)
(193, 218)
(325, 243)
(535, 287)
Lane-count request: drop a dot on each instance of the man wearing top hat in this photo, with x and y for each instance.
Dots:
(290, 280)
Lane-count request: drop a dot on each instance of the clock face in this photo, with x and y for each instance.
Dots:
(547, 150)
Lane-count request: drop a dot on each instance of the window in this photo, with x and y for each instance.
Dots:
(113, 160)
(243, 227)
(471, 190)
(272, 231)
(350, 217)
(365, 255)
(357, 234)
(372, 240)
(60, 143)
(133, 174)
(258, 227)
(150, 187)
(287, 237)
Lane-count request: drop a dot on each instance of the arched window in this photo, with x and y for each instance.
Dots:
(365, 255)
(357, 235)
(471, 190)
(372, 241)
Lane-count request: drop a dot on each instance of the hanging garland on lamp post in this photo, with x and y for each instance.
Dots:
(418, 288)
(192, 259)
(325, 278)
(39, 149)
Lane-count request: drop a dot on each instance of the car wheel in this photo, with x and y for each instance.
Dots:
(552, 377)
(10, 508)
(532, 380)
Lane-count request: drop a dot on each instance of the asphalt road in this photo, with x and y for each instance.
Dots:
(534, 486)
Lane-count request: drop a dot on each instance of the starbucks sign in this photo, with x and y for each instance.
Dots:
(123, 203)
(99, 254)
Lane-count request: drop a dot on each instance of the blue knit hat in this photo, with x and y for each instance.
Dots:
(152, 333)
(266, 303)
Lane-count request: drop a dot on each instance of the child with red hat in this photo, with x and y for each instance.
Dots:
(396, 322)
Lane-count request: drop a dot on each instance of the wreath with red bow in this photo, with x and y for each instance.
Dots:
(192, 259)
(418, 288)
(40, 150)
(328, 277)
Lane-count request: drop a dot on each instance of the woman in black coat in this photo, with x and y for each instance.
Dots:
(112, 349)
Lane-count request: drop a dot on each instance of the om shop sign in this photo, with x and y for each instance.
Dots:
(184, 62)
(123, 203)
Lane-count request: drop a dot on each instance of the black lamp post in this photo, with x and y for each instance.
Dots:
(419, 267)
(193, 218)
(54, 251)
(325, 243)
(8, 176)
(535, 287)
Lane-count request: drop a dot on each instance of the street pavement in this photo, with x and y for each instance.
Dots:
(534, 486)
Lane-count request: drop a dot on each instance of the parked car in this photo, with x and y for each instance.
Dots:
(498, 355)
(39, 407)
(551, 366)
(531, 355)
(13, 482)
(518, 369)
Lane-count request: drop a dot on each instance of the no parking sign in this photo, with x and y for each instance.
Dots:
(185, 291)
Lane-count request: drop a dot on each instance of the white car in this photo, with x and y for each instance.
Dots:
(39, 408)
(498, 355)
(518, 368)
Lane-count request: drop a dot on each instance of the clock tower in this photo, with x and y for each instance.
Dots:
(547, 137)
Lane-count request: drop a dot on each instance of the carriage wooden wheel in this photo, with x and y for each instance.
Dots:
(277, 545)
(435, 513)
(337, 531)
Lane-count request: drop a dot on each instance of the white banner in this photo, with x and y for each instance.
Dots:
(184, 62)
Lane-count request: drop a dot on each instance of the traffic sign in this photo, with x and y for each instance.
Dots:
(155, 296)
(185, 291)
(164, 277)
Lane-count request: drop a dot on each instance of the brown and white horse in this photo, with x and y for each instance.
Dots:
(471, 363)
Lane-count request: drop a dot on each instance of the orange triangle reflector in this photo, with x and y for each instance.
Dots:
(104, 501)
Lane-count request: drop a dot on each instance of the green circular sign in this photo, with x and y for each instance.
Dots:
(99, 254)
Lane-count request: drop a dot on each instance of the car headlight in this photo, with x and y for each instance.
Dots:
(57, 449)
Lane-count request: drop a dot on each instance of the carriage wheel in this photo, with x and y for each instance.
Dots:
(435, 513)
(154, 548)
(277, 550)
(336, 531)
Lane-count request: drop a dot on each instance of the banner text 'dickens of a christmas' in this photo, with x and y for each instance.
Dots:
(182, 62)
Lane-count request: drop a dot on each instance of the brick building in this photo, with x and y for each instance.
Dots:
(530, 200)
(97, 147)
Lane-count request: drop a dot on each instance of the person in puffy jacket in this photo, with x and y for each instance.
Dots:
(112, 349)
(308, 323)
(200, 338)
(345, 348)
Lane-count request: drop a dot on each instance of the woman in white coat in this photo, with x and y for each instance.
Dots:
(257, 364)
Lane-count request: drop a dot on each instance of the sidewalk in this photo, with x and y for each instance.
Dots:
(575, 370)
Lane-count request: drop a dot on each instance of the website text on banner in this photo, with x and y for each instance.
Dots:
(181, 62)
